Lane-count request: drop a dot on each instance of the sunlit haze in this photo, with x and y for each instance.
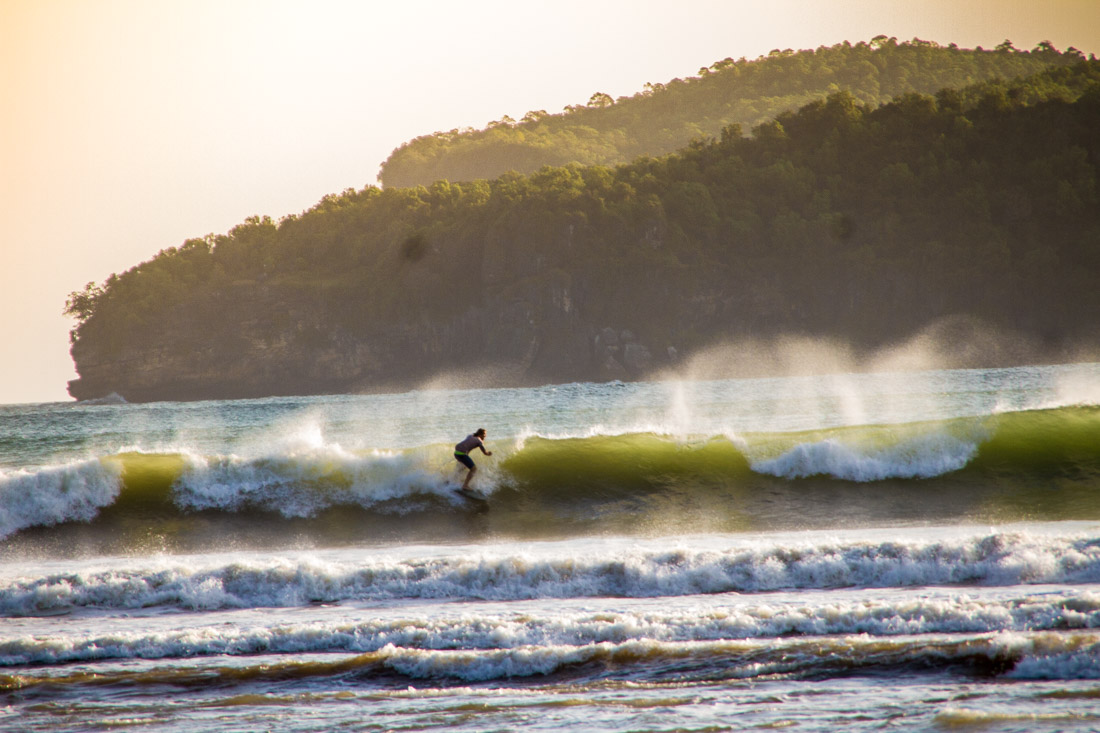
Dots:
(129, 126)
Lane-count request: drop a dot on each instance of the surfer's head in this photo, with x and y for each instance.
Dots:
(480, 432)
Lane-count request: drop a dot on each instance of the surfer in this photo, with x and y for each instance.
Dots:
(463, 450)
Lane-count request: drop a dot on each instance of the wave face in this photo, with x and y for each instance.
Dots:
(1037, 464)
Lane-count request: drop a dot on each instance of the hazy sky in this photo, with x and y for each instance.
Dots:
(128, 126)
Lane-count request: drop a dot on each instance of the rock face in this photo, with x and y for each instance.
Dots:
(619, 354)
(536, 336)
(499, 351)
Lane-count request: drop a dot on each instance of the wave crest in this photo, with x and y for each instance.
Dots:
(57, 494)
(983, 560)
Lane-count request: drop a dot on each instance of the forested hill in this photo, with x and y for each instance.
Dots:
(840, 219)
(666, 117)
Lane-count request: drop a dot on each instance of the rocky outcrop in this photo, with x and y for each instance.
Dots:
(530, 334)
(619, 354)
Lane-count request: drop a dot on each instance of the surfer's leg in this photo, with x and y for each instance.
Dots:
(468, 462)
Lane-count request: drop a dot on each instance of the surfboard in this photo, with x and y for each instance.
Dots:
(471, 495)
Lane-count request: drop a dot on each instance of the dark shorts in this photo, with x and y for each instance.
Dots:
(464, 460)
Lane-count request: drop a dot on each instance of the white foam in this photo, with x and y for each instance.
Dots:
(56, 494)
(304, 480)
(1054, 656)
(567, 571)
(491, 644)
(114, 398)
(924, 457)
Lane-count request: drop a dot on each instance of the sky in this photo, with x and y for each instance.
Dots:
(130, 126)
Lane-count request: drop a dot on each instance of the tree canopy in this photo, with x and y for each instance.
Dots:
(840, 218)
(665, 117)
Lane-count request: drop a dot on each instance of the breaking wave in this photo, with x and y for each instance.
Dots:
(997, 559)
(1001, 464)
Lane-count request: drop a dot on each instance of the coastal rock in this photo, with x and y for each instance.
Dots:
(611, 369)
(636, 358)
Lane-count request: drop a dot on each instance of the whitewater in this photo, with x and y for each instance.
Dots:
(849, 551)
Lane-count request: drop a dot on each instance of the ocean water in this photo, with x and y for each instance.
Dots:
(847, 552)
